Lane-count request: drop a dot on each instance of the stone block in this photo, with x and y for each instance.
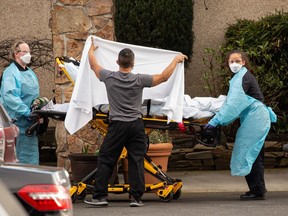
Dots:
(222, 164)
(69, 19)
(182, 150)
(199, 155)
(176, 157)
(274, 154)
(269, 162)
(99, 7)
(73, 2)
(208, 163)
(283, 162)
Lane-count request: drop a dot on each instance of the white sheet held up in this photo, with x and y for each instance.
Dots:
(89, 91)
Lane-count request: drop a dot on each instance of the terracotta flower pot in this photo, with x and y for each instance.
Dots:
(159, 153)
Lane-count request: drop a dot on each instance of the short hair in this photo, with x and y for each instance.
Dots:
(126, 58)
(15, 46)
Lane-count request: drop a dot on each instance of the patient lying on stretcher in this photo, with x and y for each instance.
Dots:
(196, 108)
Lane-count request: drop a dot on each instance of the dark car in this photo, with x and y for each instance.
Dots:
(41, 190)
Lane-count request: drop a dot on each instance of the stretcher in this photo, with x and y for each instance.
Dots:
(168, 188)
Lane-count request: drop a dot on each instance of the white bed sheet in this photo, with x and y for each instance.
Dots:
(196, 108)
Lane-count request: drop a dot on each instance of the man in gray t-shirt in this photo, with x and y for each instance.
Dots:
(125, 100)
(126, 128)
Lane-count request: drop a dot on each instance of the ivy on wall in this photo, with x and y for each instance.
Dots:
(165, 24)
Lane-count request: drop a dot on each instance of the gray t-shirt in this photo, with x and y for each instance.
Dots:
(124, 92)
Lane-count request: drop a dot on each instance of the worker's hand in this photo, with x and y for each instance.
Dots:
(39, 102)
(92, 47)
(180, 58)
(208, 127)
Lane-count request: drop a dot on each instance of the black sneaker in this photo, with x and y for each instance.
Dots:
(250, 196)
(135, 202)
(102, 202)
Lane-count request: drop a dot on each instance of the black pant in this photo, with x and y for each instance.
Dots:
(132, 136)
(255, 179)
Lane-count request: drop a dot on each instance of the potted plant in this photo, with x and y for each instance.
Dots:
(160, 148)
(83, 163)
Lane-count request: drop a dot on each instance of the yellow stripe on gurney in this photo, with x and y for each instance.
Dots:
(162, 120)
(60, 62)
(185, 121)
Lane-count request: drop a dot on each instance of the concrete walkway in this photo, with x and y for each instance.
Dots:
(222, 181)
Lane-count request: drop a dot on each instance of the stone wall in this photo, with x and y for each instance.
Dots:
(71, 23)
(188, 154)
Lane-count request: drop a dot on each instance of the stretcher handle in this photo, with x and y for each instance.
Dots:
(30, 130)
(57, 115)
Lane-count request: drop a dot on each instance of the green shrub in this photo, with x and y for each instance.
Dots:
(266, 43)
(165, 24)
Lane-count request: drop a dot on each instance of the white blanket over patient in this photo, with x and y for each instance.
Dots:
(90, 92)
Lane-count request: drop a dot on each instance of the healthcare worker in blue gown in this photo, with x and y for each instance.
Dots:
(19, 86)
(245, 101)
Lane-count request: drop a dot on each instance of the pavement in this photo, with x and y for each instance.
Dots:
(276, 179)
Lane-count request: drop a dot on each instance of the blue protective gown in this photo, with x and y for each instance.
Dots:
(18, 89)
(255, 119)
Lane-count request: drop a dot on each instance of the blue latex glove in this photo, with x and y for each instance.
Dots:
(208, 127)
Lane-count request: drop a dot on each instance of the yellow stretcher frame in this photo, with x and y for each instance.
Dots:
(61, 62)
(167, 189)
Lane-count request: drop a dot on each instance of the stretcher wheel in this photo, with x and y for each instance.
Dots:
(82, 195)
(74, 197)
(177, 194)
(168, 198)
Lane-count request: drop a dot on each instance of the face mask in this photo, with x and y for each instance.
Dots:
(235, 67)
(26, 58)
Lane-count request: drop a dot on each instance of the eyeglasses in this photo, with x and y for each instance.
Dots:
(23, 51)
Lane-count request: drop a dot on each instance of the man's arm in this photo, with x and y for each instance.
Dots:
(92, 59)
(168, 71)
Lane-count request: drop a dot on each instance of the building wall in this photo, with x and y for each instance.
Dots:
(209, 28)
(28, 19)
(25, 18)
